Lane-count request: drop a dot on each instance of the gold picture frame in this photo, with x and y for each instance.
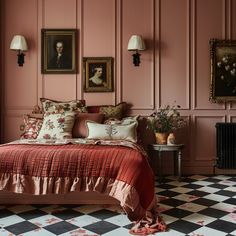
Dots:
(59, 49)
(223, 70)
(98, 74)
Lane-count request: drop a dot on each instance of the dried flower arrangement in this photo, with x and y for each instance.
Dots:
(166, 120)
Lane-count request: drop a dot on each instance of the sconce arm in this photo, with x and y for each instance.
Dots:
(136, 58)
(20, 59)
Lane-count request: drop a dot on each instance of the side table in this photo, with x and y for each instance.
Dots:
(177, 151)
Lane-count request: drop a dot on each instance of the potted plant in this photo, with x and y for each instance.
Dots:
(165, 121)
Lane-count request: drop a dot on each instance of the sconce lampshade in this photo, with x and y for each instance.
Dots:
(136, 43)
(19, 43)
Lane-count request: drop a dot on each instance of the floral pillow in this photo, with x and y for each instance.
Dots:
(53, 106)
(110, 111)
(32, 126)
(57, 125)
(114, 132)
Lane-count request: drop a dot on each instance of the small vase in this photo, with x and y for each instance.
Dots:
(161, 138)
(171, 140)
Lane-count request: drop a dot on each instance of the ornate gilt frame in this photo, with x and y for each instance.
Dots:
(223, 70)
(90, 67)
(49, 39)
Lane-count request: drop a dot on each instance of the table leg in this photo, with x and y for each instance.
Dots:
(159, 167)
(175, 156)
(179, 164)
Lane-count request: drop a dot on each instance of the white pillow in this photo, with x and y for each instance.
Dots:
(105, 131)
(57, 126)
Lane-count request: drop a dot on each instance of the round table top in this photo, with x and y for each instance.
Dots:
(165, 147)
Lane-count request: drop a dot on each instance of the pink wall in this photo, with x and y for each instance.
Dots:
(175, 66)
(1, 69)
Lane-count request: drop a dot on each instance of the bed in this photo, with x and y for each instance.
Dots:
(82, 171)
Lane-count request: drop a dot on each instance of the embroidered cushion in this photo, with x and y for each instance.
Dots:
(110, 111)
(57, 125)
(125, 121)
(104, 131)
(32, 126)
(129, 120)
(80, 128)
(53, 106)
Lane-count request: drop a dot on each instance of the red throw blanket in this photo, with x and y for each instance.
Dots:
(121, 172)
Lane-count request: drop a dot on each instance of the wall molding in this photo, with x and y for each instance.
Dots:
(152, 84)
(2, 84)
(19, 108)
(229, 35)
(231, 117)
(195, 141)
(188, 56)
(80, 24)
(14, 115)
(153, 55)
(160, 54)
(41, 25)
(118, 51)
(224, 20)
(152, 88)
(229, 13)
(142, 108)
(157, 51)
(194, 56)
(193, 32)
(37, 58)
(76, 26)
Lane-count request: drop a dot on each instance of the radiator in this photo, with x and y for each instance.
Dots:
(226, 145)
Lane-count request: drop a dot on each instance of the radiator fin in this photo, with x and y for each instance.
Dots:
(226, 145)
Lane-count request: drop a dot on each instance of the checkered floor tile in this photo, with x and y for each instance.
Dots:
(196, 206)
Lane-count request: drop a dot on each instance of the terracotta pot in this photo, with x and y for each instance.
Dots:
(161, 138)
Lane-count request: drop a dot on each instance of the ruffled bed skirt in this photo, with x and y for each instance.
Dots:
(146, 221)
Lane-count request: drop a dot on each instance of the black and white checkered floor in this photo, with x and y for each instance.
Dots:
(196, 206)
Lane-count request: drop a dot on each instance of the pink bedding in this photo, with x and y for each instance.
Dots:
(121, 171)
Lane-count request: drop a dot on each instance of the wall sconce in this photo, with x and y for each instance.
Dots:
(136, 43)
(19, 43)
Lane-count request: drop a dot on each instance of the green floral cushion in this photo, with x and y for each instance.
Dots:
(57, 126)
(53, 106)
(115, 112)
(125, 121)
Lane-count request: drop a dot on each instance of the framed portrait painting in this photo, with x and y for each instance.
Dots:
(59, 51)
(223, 70)
(98, 74)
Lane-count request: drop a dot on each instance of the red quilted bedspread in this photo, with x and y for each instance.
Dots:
(119, 171)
